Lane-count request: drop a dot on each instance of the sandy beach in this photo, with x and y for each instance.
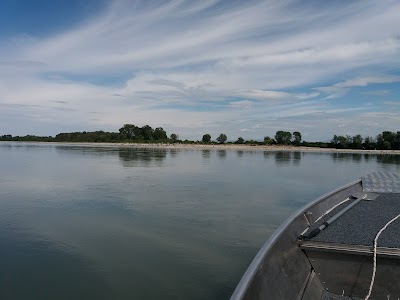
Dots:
(236, 147)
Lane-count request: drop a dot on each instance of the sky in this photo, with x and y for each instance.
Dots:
(243, 68)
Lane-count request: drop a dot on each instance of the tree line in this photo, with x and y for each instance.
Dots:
(130, 133)
(386, 140)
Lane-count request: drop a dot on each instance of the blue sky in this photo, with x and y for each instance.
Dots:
(244, 68)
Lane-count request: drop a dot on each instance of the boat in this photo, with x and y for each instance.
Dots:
(343, 245)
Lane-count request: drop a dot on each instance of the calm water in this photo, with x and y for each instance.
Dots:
(109, 223)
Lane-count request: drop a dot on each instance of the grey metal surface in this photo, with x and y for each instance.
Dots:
(350, 249)
(366, 195)
(345, 247)
(352, 274)
(343, 211)
(361, 223)
(314, 289)
(281, 270)
(381, 182)
(330, 296)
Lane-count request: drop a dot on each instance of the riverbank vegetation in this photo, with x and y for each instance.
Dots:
(130, 133)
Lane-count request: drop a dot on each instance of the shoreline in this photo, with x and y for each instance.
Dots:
(237, 147)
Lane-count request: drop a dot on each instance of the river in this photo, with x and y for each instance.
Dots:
(122, 223)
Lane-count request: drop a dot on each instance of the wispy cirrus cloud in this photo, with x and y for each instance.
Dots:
(203, 66)
(341, 88)
(274, 95)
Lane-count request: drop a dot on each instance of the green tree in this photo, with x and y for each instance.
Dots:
(267, 140)
(296, 138)
(174, 137)
(349, 139)
(129, 131)
(357, 141)
(379, 141)
(240, 140)
(369, 143)
(387, 140)
(206, 138)
(147, 132)
(387, 145)
(335, 141)
(283, 137)
(222, 138)
(342, 142)
(389, 136)
(397, 141)
(159, 134)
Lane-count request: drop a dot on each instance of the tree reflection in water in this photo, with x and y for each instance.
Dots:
(221, 153)
(205, 153)
(360, 158)
(142, 157)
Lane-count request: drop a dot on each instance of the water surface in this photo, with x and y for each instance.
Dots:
(121, 223)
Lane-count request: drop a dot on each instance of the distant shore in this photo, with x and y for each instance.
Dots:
(237, 147)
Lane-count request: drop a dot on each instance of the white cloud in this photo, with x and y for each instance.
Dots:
(243, 104)
(274, 95)
(341, 88)
(364, 81)
(265, 95)
(195, 66)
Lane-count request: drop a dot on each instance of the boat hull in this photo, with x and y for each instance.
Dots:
(281, 269)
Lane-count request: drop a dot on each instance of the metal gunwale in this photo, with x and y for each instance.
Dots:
(251, 271)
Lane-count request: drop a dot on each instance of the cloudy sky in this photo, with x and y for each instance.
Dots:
(244, 68)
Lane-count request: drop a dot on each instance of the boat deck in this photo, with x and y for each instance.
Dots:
(362, 222)
(341, 255)
(337, 263)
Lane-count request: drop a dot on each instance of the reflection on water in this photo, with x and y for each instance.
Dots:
(389, 159)
(221, 153)
(284, 158)
(205, 153)
(174, 152)
(268, 154)
(355, 157)
(143, 157)
(296, 158)
(123, 223)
